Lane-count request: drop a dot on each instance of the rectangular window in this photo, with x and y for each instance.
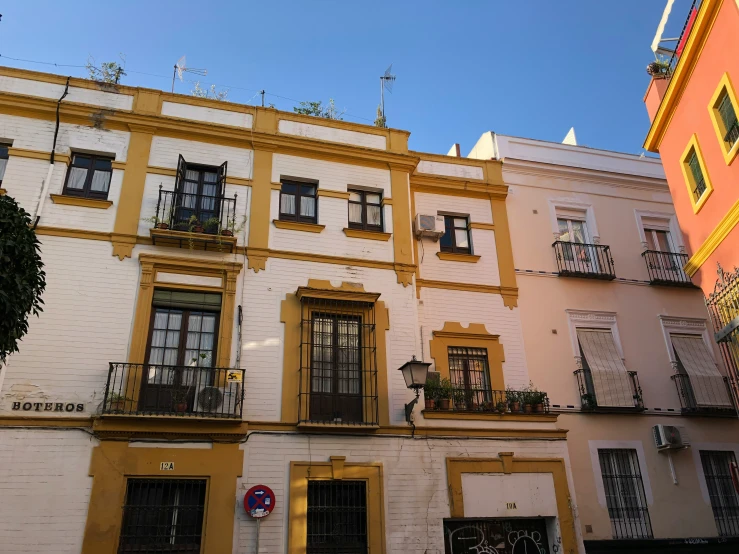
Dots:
(337, 517)
(298, 202)
(456, 235)
(702, 383)
(470, 377)
(699, 183)
(3, 161)
(88, 176)
(163, 515)
(724, 499)
(605, 378)
(727, 112)
(624, 491)
(365, 210)
(198, 196)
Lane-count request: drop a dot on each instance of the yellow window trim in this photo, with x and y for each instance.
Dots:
(693, 146)
(81, 202)
(337, 468)
(370, 235)
(298, 226)
(724, 85)
(455, 257)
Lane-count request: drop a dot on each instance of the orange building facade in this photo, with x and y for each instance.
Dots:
(693, 108)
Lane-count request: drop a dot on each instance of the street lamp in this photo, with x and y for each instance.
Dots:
(414, 373)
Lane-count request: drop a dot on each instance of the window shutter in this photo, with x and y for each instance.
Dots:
(222, 179)
(180, 176)
(728, 115)
(695, 168)
(705, 380)
(611, 381)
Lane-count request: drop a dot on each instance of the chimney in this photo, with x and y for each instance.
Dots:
(454, 151)
(655, 92)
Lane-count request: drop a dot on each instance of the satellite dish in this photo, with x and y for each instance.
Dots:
(180, 67)
(386, 82)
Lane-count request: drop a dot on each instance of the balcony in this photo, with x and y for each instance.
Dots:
(617, 395)
(490, 401)
(711, 398)
(165, 390)
(590, 261)
(194, 221)
(666, 268)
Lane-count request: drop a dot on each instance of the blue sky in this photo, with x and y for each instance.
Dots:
(531, 68)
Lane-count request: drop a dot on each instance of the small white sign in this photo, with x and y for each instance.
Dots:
(166, 466)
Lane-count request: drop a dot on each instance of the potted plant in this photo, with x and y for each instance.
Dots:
(211, 225)
(514, 400)
(179, 400)
(502, 407)
(458, 395)
(538, 399)
(445, 394)
(587, 401)
(117, 402)
(431, 393)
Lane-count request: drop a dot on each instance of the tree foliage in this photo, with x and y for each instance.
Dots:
(380, 120)
(319, 110)
(209, 92)
(22, 279)
(107, 72)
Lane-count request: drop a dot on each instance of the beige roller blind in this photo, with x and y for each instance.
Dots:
(707, 383)
(611, 382)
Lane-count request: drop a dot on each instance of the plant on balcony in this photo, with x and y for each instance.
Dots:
(460, 399)
(431, 393)
(587, 400)
(117, 402)
(179, 399)
(514, 400)
(445, 394)
(659, 68)
(502, 407)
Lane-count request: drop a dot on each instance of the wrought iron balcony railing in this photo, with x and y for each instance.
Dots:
(732, 134)
(666, 268)
(195, 219)
(492, 401)
(591, 261)
(614, 389)
(188, 391)
(713, 397)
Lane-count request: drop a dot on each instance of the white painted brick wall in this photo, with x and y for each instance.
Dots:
(208, 115)
(485, 271)
(165, 152)
(263, 332)
(88, 309)
(332, 212)
(24, 179)
(440, 305)
(415, 485)
(23, 132)
(450, 170)
(45, 490)
(321, 132)
(75, 94)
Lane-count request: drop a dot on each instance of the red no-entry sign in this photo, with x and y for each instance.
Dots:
(259, 501)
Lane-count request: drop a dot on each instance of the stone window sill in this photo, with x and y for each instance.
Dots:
(454, 257)
(297, 226)
(82, 202)
(371, 235)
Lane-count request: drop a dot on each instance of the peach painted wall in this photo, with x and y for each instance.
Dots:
(691, 116)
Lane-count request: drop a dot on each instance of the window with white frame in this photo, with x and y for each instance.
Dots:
(724, 498)
(624, 492)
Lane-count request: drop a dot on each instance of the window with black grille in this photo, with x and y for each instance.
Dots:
(338, 382)
(470, 377)
(163, 515)
(724, 499)
(337, 517)
(625, 497)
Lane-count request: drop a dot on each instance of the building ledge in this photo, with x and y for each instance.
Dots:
(454, 257)
(297, 226)
(169, 427)
(488, 416)
(371, 235)
(193, 241)
(82, 202)
(329, 426)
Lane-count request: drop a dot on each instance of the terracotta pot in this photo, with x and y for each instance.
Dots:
(515, 406)
(430, 404)
(180, 407)
(475, 406)
(197, 229)
(502, 408)
(162, 225)
(460, 406)
(444, 403)
(227, 232)
(527, 408)
(117, 405)
(538, 408)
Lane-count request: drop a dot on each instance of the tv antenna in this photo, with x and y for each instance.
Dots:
(180, 67)
(386, 82)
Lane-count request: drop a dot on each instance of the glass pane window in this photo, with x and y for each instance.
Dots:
(699, 183)
(365, 210)
(3, 160)
(724, 499)
(456, 235)
(469, 374)
(337, 517)
(298, 202)
(658, 240)
(572, 230)
(88, 176)
(625, 497)
(199, 195)
(728, 117)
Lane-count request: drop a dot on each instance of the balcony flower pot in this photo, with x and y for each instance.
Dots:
(227, 232)
(475, 406)
(198, 229)
(502, 407)
(430, 404)
(445, 403)
(117, 406)
(539, 408)
(460, 406)
(180, 407)
(515, 406)
(162, 225)
(527, 408)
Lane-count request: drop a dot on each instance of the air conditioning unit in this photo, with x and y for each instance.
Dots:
(431, 226)
(670, 437)
(219, 401)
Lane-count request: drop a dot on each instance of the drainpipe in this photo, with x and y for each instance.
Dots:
(47, 181)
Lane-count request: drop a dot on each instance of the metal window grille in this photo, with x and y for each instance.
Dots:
(470, 376)
(729, 119)
(338, 369)
(724, 499)
(504, 536)
(337, 517)
(163, 516)
(695, 169)
(625, 498)
(723, 306)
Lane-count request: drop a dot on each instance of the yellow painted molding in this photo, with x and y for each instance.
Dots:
(386, 201)
(336, 468)
(323, 258)
(724, 85)
(118, 165)
(714, 239)
(350, 292)
(3, 192)
(81, 202)
(338, 124)
(504, 252)
(113, 463)
(492, 416)
(452, 186)
(298, 226)
(456, 257)
(402, 231)
(72, 233)
(333, 194)
(453, 334)
(707, 14)
(156, 170)
(468, 287)
(276, 186)
(694, 146)
(508, 463)
(222, 243)
(261, 196)
(241, 181)
(483, 226)
(38, 155)
(370, 235)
